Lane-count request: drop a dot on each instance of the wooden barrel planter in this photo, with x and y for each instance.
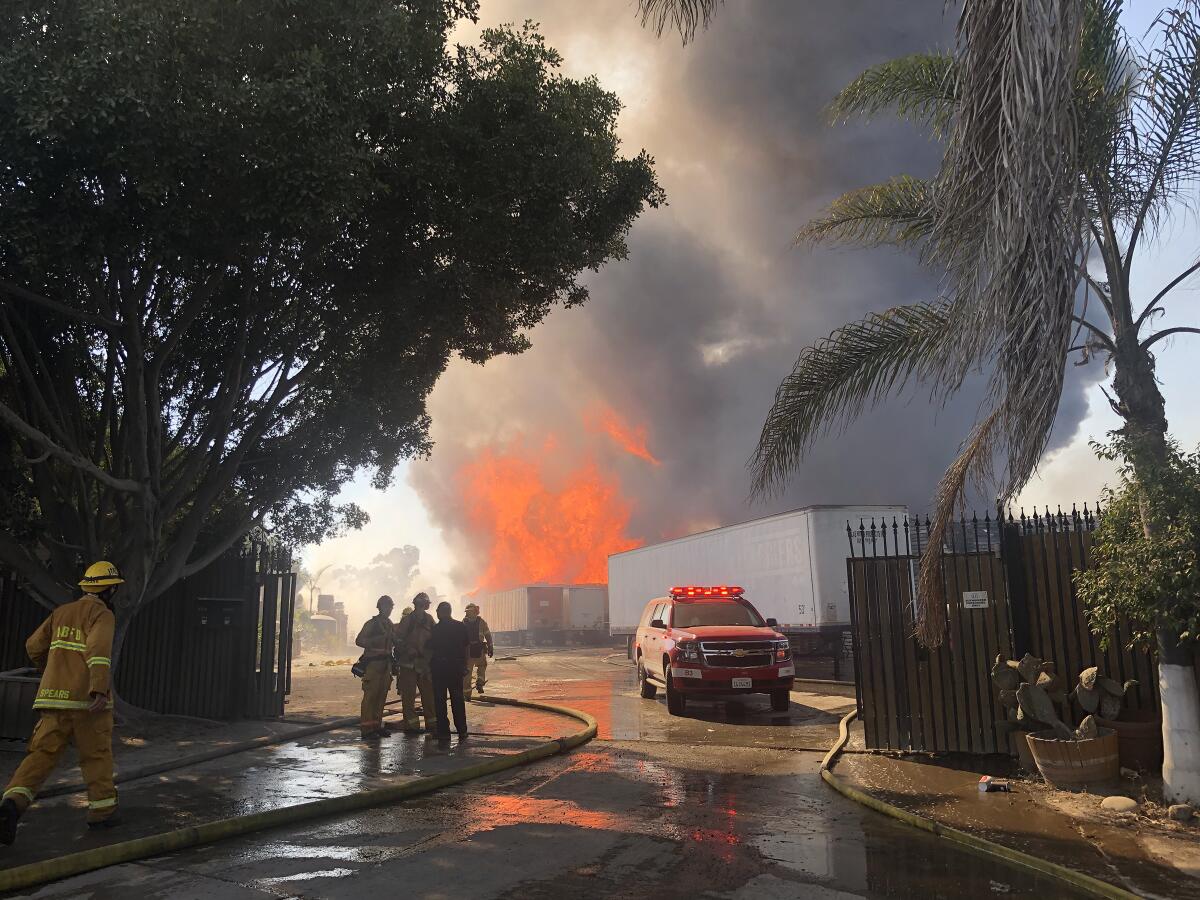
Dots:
(1139, 738)
(1076, 763)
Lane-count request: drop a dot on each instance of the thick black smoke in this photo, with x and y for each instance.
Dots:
(691, 335)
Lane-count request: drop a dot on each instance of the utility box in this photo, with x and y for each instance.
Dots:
(217, 612)
(18, 690)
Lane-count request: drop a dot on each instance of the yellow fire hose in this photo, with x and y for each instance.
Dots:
(209, 832)
(1084, 882)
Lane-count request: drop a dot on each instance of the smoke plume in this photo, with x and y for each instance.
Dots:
(661, 383)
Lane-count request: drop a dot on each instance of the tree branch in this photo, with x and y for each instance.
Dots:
(47, 591)
(70, 458)
(1194, 267)
(1155, 338)
(1096, 332)
(212, 553)
(107, 325)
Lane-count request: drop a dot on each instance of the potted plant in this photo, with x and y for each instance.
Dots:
(1065, 756)
(1010, 676)
(1139, 733)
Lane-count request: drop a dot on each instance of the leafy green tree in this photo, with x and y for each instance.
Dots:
(1067, 151)
(1128, 572)
(239, 243)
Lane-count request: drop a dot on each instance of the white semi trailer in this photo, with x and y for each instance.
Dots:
(792, 566)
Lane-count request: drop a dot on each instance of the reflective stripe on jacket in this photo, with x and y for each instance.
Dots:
(73, 648)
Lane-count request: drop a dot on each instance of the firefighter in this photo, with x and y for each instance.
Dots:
(479, 649)
(412, 659)
(449, 646)
(376, 640)
(73, 649)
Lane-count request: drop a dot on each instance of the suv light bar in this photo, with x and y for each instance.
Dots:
(695, 591)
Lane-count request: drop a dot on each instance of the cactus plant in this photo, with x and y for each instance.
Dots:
(1096, 693)
(1032, 689)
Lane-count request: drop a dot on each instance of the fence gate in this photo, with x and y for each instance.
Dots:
(911, 697)
(1009, 589)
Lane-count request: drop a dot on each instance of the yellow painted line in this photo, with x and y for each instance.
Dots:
(210, 832)
(1084, 882)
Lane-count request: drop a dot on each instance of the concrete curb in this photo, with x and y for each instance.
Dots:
(1093, 886)
(210, 832)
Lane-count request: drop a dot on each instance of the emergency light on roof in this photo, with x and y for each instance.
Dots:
(695, 591)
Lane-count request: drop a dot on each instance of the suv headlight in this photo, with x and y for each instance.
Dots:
(783, 651)
(689, 651)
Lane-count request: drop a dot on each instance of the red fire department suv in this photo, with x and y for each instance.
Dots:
(710, 641)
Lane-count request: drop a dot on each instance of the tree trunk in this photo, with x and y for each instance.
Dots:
(1141, 404)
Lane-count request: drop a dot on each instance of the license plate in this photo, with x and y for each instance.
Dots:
(743, 683)
(787, 672)
(686, 673)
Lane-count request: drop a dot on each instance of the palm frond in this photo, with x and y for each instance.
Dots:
(919, 88)
(684, 16)
(1167, 116)
(896, 212)
(1011, 212)
(973, 463)
(833, 381)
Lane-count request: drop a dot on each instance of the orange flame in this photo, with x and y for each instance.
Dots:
(629, 438)
(540, 528)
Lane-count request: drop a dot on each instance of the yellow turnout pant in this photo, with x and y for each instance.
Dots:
(476, 676)
(410, 683)
(375, 683)
(91, 733)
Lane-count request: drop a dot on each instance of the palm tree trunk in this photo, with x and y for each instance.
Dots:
(1141, 403)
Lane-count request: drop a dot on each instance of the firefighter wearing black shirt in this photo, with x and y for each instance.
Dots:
(449, 646)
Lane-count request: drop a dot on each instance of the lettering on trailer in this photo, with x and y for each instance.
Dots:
(975, 599)
(780, 553)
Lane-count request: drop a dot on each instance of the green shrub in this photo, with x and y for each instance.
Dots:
(1147, 581)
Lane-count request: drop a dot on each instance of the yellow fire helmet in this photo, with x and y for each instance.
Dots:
(100, 575)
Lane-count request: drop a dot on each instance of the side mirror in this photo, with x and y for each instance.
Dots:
(772, 623)
(658, 623)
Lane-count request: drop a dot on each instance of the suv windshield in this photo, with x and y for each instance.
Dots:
(693, 615)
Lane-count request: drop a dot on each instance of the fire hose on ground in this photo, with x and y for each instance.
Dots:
(971, 842)
(222, 829)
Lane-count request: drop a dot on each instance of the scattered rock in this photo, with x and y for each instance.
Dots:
(1180, 812)
(1119, 804)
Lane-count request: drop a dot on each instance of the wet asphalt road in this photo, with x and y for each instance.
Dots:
(725, 802)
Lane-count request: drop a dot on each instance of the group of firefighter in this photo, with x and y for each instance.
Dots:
(73, 650)
(437, 660)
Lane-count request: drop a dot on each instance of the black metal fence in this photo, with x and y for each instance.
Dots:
(1009, 589)
(216, 645)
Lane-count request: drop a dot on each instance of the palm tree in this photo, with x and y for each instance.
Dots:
(1067, 149)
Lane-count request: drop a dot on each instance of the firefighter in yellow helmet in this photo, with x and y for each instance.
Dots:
(479, 648)
(73, 649)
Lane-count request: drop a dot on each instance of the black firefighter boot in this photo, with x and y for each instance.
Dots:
(9, 816)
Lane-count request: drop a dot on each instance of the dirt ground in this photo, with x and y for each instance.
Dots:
(1144, 852)
(323, 687)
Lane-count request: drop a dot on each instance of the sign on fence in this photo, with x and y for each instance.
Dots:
(975, 600)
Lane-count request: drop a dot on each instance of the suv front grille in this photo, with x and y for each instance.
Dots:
(736, 654)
